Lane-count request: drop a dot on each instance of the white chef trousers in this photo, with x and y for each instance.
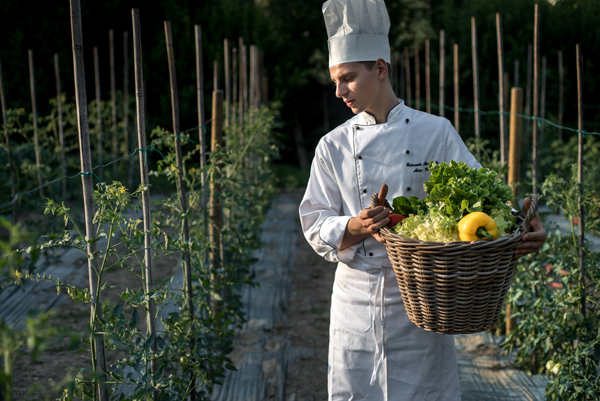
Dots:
(375, 352)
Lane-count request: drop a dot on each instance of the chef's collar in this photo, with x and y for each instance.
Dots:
(394, 114)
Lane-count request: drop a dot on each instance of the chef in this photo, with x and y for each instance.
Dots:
(375, 351)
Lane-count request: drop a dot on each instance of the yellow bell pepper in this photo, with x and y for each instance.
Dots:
(476, 226)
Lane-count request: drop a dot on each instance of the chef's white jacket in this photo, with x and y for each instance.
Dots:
(375, 352)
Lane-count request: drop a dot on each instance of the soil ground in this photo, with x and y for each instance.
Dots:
(308, 314)
(58, 362)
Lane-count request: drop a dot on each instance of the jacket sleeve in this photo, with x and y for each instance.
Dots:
(456, 149)
(321, 216)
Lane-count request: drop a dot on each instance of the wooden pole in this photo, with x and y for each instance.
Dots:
(234, 98)
(536, 96)
(252, 77)
(417, 79)
(407, 77)
(501, 93)
(516, 129)
(580, 173)
(215, 75)
(187, 267)
(442, 72)
(243, 81)
(13, 183)
(528, 88)
(516, 73)
(402, 79)
(36, 141)
(560, 93)
(141, 126)
(394, 74)
(543, 97)
(456, 90)
(216, 220)
(427, 78)
(475, 77)
(227, 85)
(113, 96)
(99, 114)
(200, 97)
(61, 137)
(128, 138)
(88, 190)
(514, 168)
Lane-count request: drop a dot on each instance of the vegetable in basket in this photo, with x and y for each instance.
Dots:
(477, 225)
(454, 191)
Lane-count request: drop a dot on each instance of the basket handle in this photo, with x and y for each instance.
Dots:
(529, 214)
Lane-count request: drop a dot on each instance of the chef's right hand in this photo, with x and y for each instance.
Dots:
(372, 219)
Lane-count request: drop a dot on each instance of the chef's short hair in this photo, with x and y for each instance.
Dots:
(370, 64)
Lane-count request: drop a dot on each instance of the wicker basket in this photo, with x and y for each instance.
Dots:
(457, 287)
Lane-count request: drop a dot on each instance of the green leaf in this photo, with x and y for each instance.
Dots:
(135, 319)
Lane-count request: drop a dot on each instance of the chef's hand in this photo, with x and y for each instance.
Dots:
(534, 240)
(368, 222)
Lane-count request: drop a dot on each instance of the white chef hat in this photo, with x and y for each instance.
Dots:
(357, 30)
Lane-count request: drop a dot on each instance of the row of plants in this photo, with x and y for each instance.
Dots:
(189, 353)
(20, 130)
(554, 336)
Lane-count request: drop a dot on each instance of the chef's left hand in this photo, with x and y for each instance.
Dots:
(534, 240)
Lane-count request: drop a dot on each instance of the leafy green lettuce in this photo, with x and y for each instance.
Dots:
(454, 190)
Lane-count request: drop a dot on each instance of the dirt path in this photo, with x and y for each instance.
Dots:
(308, 314)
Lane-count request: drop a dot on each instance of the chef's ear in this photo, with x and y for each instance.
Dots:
(382, 69)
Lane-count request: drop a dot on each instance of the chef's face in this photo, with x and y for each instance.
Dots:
(356, 85)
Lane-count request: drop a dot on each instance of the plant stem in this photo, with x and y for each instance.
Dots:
(8, 373)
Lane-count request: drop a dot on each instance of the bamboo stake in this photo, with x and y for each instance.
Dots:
(200, 97)
(402, 79)
(417, 80)
(516, 129)
(234, 99)
(528, 88)
(475, 77)
(141, 126)
(502, 95)
(13, 183)
(252, 90)
(215, 190)
(456, 90)
(427, 78)
(61, 138)
(442, 71)
(243, 82)
(514, 168)
(35, 125)
(560, 93)
(215, 75)
(128, 138)
(227, 85)
(516, 73)
(407, 77)
(580, 173)
(187, 266)
(99, 113)
(202, 131)
(88, 190)
(543, 97)
(394, 74)
(113, 95)
(536, 96)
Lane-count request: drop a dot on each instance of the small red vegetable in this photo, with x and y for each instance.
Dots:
(395, 219)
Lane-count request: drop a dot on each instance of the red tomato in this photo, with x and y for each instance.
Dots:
(395, 219)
